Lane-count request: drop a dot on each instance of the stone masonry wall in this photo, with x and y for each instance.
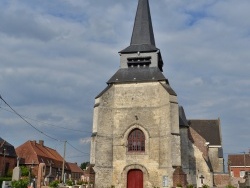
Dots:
(122, 108)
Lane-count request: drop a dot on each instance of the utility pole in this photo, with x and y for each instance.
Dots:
(245, 162)
(64, 151)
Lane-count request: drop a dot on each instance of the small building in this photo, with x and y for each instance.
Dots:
(7, 157)
(75, 171)
(239, 164)
(32, 153)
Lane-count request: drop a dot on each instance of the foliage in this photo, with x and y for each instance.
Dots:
(82, 182)
(190, 186)
(9, 173)
(230, 186)
(25, 170)
(84, 165)
(178, 185)
(205, 186)
(22, 183)
(69, 182)
(54, 184)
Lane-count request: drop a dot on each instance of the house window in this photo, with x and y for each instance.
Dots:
(242, 173)
(136, 141)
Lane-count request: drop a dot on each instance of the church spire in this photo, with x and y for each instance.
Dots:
(142, 39)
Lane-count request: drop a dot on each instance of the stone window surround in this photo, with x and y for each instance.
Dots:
(146, 134)
(136, 143)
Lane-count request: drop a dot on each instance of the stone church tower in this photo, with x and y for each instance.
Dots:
(136, 140)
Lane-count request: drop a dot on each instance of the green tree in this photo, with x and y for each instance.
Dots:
(84, 165)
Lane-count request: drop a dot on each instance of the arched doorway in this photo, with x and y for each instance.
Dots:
(135, 179)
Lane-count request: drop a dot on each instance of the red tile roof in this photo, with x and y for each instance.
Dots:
(238, 160)
(33, 152)
(74, 168)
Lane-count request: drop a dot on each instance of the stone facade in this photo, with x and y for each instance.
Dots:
(124, 107)
(140, 129)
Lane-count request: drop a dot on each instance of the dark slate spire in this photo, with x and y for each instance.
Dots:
(142, 39)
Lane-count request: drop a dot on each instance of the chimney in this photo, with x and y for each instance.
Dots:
(41, 142)
(33, 142)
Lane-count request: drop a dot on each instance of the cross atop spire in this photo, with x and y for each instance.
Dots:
(142, 39)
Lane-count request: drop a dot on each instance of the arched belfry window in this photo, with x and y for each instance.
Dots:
(136, 141)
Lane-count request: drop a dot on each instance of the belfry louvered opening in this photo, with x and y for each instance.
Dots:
(139, 61)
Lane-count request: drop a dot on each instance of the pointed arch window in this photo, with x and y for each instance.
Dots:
(136, 141)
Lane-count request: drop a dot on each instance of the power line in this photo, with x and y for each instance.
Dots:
(50, 124)
(77, 149)
(22, 117)
(27, 121)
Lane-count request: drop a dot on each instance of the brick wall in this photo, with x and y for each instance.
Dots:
(221, 180)
(10, 163)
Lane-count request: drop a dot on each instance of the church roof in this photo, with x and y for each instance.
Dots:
(208, 129)
(182, 117)
(135, 74)
(142, 39)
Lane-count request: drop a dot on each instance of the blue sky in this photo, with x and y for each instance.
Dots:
(56, 56)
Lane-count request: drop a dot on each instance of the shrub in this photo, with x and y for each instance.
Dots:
(24, 170)
(22, 183)
(69, 182)
(205, 186)
(230, 186)
(178, 185)
(54, 184)
(190, 186)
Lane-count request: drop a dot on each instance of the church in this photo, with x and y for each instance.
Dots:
(141, 137)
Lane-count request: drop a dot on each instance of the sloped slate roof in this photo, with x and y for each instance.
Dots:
(168, 89)
(238, 160)
(9, 149)
(135, 74)
(142, 39)
(182, 118)
(139, 48)
(208, 129)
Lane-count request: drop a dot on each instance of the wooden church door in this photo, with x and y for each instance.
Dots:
(135, 179)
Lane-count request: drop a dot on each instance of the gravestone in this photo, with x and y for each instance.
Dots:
(6, 184)
(16, 171)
